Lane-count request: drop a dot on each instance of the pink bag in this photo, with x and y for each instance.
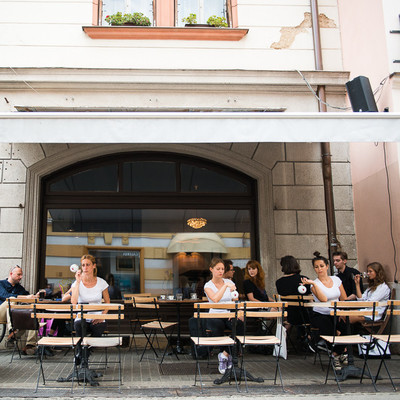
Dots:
(48, 328)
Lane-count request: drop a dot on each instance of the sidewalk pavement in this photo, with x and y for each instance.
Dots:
(146, 380)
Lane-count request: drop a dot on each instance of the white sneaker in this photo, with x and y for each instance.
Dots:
(222, 363)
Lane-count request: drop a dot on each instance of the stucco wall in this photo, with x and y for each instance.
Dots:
(49, 34)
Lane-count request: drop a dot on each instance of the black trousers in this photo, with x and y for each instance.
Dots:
(325, 324)
(218, 325)
(95, 330)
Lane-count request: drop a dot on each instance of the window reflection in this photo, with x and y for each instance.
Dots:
(145, 250)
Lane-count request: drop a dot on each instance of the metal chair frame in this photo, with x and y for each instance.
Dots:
(105, 342)
(203, 311)
(262, 310)
(392, 311)
(55, 311)
(153, 325)
(347, 309)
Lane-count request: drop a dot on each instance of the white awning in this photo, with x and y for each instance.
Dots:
(197, 127)
(197, 242)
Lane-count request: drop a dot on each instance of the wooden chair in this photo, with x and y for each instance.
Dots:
(346, 309)
(93, 312)
(138, 316)
(55, 311)
(295, 304)
(151, 325)
(390, 338)
(19, 310)
(377, 327)
(262, 310)
(203, 311)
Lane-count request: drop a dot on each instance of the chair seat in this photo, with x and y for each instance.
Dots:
(346, 339)
(213, 341)
(385, 338)
(58, 341)
(159, 325)
(258, 340)
(102, 341)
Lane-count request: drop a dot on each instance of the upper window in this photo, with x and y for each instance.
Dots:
(203, 9)
(149, 176)
(127, 7)
(168, 12)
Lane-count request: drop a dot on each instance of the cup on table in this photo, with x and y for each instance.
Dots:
(162, 297)
(179, 296)
(193, 296)
(170, 297)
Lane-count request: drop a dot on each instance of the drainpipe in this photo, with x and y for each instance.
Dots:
(333, 242)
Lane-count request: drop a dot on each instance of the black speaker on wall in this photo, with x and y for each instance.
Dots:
(360, 95)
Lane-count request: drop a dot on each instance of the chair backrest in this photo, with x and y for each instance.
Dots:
(353, 308)
(203, 310)
(19, 311)
(392, 311)
(270, 310)
(226, 311)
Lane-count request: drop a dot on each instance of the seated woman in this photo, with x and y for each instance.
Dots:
(377, 290)
(88, 288)
(218, 290)
(326, 288)
(289, 285)
(254, 282)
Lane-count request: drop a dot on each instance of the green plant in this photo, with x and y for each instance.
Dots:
(137, 19)
(191, 19)
(217, 21)
(115, 19)
(132, 19)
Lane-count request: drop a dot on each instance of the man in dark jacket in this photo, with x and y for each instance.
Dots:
(11, 287)
(346, 274)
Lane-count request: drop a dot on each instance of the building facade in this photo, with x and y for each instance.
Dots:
(125, 133)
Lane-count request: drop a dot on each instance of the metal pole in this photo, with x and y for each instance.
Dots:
(333, 243)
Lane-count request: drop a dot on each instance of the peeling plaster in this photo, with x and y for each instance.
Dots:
(289, 33)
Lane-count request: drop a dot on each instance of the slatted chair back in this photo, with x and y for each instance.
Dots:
(268, 310)
(392, 337)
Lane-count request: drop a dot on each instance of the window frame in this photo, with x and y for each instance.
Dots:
(165, 13)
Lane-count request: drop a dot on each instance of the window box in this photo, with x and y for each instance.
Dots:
(164, 33)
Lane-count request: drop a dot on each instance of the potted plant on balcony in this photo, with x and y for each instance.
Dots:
(115, 19)
(136, 19)
(218, 22)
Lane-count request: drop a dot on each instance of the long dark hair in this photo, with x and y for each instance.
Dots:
(380, 275)
(259, 279)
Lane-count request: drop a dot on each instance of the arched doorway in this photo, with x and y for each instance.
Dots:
(128, 208)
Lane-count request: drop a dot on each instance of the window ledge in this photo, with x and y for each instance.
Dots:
(164, 33)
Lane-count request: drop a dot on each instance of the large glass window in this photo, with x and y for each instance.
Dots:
(154, 223)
